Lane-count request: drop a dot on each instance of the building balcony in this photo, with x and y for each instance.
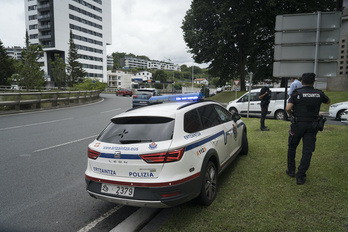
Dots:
(44, 27)
(43, 7)
(45, 37)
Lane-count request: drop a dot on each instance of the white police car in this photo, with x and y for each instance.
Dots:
(163, 155)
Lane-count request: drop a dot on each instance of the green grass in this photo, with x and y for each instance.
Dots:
(255, 194)
(227, 96)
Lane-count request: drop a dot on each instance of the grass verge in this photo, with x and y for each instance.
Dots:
(255, 194)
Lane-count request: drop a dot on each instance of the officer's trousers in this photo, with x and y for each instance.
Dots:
(264, 111)
(298, 131)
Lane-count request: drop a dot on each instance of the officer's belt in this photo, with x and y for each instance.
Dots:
(302, 119)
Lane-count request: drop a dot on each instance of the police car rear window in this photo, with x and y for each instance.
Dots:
(131, 130)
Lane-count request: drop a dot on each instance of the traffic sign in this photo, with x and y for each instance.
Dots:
(307, 43)
(236, 82)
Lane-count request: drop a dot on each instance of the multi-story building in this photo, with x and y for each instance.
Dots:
(49, 23)
(155, 64)
(14, 52)
(144, 75)
(110, 62)
(132, 62)
(120, 79)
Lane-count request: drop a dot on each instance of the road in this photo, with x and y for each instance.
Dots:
(42, 163)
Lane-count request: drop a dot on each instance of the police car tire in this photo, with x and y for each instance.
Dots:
(209, 184)
(245, 144)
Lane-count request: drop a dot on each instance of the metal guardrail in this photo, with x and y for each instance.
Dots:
(37, 98)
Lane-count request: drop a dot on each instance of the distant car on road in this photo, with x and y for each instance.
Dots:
(124, 92)
(336, 110)
(142, 96)
(165, 154)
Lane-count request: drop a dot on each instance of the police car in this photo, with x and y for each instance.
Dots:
(163, 155)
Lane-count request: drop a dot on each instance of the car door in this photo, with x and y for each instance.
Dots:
(254, 109)
(217, 132)
(231, 133)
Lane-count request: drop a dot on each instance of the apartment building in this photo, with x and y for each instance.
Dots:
(159, 65)
(132, 62)
(120, 79)
(14, 52)
(49, 23)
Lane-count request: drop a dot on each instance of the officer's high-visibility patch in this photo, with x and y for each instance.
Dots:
(311, 95)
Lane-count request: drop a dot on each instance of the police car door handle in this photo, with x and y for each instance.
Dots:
(215, 141)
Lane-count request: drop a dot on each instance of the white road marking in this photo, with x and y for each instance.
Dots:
(110, 111)
(63, 144)
(101, 218)
(35, 124)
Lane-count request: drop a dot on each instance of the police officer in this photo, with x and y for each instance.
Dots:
(265, 96)
(303, 106)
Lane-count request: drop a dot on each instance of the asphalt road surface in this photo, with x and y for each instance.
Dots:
(43, 158)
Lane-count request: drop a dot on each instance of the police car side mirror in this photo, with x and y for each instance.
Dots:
(235, 117)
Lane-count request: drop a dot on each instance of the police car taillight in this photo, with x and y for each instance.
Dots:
(93, 154)
(164, 157)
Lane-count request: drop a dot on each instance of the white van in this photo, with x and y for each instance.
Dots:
(275, 108)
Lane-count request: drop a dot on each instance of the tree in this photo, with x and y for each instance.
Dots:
(160, 75)
(58, 70)
(75, 72)
(30, 75)
(6, 66)
(237, 36)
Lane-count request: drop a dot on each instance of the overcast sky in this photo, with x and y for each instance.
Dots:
(142, 27)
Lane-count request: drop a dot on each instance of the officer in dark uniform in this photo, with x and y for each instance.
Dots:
(303, 106)
(265, 96)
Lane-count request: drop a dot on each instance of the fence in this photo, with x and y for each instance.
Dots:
(28, 99)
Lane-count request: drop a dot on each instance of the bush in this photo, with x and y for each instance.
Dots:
(90, 84)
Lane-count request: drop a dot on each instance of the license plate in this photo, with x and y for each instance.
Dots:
(117, 190)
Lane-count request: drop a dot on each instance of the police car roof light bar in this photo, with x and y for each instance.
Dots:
(177, 97)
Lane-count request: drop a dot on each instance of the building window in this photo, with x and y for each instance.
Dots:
(32, 17)
(34, 36)
(32, 27)
(31, 7)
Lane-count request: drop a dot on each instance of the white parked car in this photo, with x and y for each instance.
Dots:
(344, 117)
(275, 108)
(336, 110)
(163, 155)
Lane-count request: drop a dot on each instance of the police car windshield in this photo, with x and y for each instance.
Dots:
(130, 130)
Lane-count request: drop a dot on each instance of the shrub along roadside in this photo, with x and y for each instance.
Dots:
(255, 194)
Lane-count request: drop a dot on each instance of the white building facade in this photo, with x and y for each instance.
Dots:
(14, 52)
(120, 79)
(144, 75)
(49, 23)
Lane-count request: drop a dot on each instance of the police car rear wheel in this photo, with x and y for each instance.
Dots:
(209, 185)
(245, 145)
